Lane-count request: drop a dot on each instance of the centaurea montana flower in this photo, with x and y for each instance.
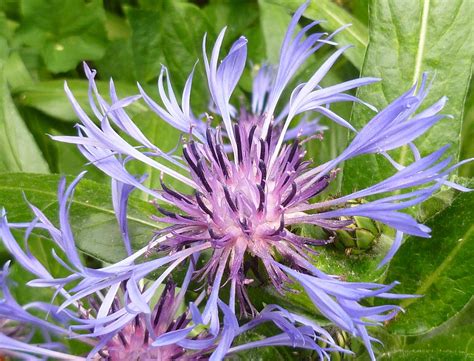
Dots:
(112, 309)
(97, 319)
(18, 326)
(251, 183)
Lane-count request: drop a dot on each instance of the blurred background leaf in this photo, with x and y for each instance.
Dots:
(17, 146)
(65, 32)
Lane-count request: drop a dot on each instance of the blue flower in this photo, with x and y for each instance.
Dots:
(248, 185)
(113, 309)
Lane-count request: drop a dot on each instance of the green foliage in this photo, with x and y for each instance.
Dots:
(62, 36)
(18, 149)
(408, 38)
(42, 44)
(438, 268)
(452, 341)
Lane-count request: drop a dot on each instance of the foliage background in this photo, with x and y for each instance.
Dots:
(42, 43)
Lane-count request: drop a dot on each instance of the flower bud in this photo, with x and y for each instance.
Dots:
(360, 236)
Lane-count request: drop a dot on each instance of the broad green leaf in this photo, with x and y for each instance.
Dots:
(92, 217)
(172, 36)
(117, 62)
(467, 134)
(439, 268)
(408, 38)
(10, 7)
(6, 33)
(50, 98)
(452, 341)
(335, 17)
(146, 42)
(185, 25)
(360, 9)
(116, 26)
(64, 31)
(16, 72)
(18, 150)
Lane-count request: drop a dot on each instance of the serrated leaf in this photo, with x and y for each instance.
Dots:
(335, 17)
(408, 38)
(439, 268)
(92, 216)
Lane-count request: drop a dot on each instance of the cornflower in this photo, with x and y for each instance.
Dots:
(120, 320)
(251, 183)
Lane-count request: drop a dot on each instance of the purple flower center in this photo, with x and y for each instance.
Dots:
(243, 205)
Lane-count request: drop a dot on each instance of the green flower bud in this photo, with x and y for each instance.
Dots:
(360, 237)
(364, 238)
(366, 223)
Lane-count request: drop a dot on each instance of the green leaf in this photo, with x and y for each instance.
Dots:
(439, 268)
(354, 267)
(117, 27)
(18, 150)
(185, 25)
(452, 341)
(171, 35)
(274, 20)
(50, 98)
(152, 30)
(16, 72)
(467, 146)
(146, 42)
(117, 62)
(64, 31)
(92, 216)
(335, 17)
(408, 38)
(240, 18)
(360, 9)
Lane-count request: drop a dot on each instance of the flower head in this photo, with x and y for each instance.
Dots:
(250, 183)
(113, 310)
(118, 320)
